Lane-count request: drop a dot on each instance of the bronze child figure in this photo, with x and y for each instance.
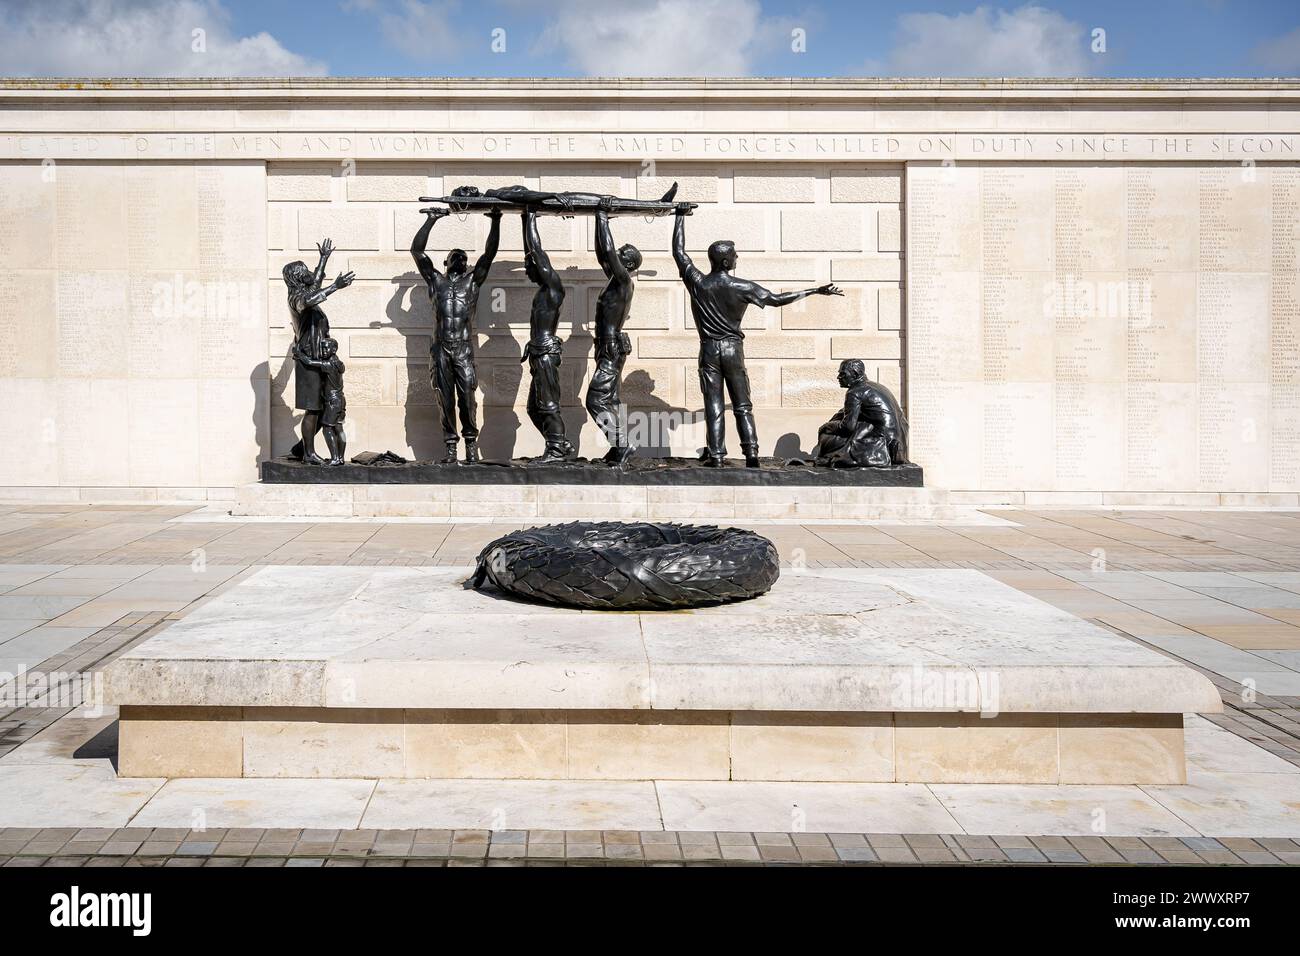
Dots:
(334, 405)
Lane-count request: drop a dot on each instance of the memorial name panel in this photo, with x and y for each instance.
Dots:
(1136, 326)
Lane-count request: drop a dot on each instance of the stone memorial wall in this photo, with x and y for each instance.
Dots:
(1117, 326)
(132, 325)
(1075, 288)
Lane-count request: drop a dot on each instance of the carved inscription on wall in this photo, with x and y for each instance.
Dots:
(132, 323)
(1118, 327)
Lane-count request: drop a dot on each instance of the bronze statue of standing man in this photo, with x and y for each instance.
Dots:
(718, 303)
(544, 349)
(612, 343)
(454, 295)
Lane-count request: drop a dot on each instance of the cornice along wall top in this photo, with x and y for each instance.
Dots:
(754, 89)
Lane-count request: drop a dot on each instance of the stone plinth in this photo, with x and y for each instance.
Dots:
(565, 502)
(899, 675)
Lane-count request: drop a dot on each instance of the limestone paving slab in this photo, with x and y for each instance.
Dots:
(823, 639)
(1211, 748)
(66, 794)
(325, 804)
(1235, 804)
(73, 738)
(794, 807)
(1011, 809)
(514, 805)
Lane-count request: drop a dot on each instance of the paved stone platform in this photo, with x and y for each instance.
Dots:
(1214, 589)
(834, 675)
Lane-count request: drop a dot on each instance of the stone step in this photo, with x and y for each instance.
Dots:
(569, 502)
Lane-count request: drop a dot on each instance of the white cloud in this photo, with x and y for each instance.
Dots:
(660, 37)
(422, 29)
(1027, 41)
(137, 38)
(1280, 54)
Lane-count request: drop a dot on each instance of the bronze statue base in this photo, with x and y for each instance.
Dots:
(638, 470)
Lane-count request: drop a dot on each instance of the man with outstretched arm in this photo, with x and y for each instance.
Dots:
(718, 303)
(612, 343)
(544, 349)
(451, 352)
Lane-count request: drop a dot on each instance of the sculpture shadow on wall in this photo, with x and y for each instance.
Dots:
(259, 381)
(790, 446)
(408, 313)
(662, 419)
(277, 431)
(507, 331)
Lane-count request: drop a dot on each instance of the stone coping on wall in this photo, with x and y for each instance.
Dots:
(746, 86)
(686, 120)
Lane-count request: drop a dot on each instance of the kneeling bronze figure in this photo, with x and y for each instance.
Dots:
(870, 431)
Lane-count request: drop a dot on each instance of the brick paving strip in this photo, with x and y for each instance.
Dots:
(1033, 557)
(171, 847)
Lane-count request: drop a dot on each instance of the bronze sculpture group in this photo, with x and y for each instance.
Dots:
(869, 432)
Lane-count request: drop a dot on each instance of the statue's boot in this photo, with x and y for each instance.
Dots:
(450, 457)
(472, 456)
(618, 455)
(558, 451)
(714, 461)
(751, 457)
(311, 458)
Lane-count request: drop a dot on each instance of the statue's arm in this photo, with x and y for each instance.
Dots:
(765, 297)
(683, 261)
(325, 247)
(606, 254)
(852, 412)
(484, 264)
(343, 280)
(422, 261)
(319, 365)
(547, 275)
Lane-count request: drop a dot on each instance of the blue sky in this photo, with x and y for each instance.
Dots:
(1142, 38)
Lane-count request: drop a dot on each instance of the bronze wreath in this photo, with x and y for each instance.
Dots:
(615, 565)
